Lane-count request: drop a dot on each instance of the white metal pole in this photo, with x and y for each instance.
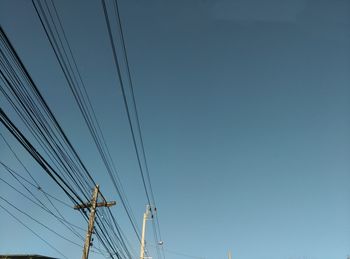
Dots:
(145, 217)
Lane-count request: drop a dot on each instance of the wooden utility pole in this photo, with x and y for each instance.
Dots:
(93, 204)
(145, 218)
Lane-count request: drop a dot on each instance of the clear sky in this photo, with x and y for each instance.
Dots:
(244, 107)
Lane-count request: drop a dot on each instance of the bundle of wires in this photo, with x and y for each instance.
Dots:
(57, 156)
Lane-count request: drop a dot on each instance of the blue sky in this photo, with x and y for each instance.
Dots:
(244, 107)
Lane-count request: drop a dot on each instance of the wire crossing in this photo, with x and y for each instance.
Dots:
(62, 162)
(60, 45)
(49, 145)
(130, 106)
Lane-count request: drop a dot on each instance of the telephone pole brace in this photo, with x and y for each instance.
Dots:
(93, 204)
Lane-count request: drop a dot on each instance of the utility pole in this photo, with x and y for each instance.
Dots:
(93, 204)
(145, 218)
(229, 255)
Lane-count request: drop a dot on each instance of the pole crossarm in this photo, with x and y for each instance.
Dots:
(93, 204)
(98, 204)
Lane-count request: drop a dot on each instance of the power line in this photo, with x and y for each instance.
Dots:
(16, 176)
(81, 96)
(170, 251)
(45, 128)
(38, 202)
(40, 223)
(37, 235)
(8, 124)
(157, 235)
(39, 126)
(115, 58)
(38, 187)
(183, 254)
(42, 162)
